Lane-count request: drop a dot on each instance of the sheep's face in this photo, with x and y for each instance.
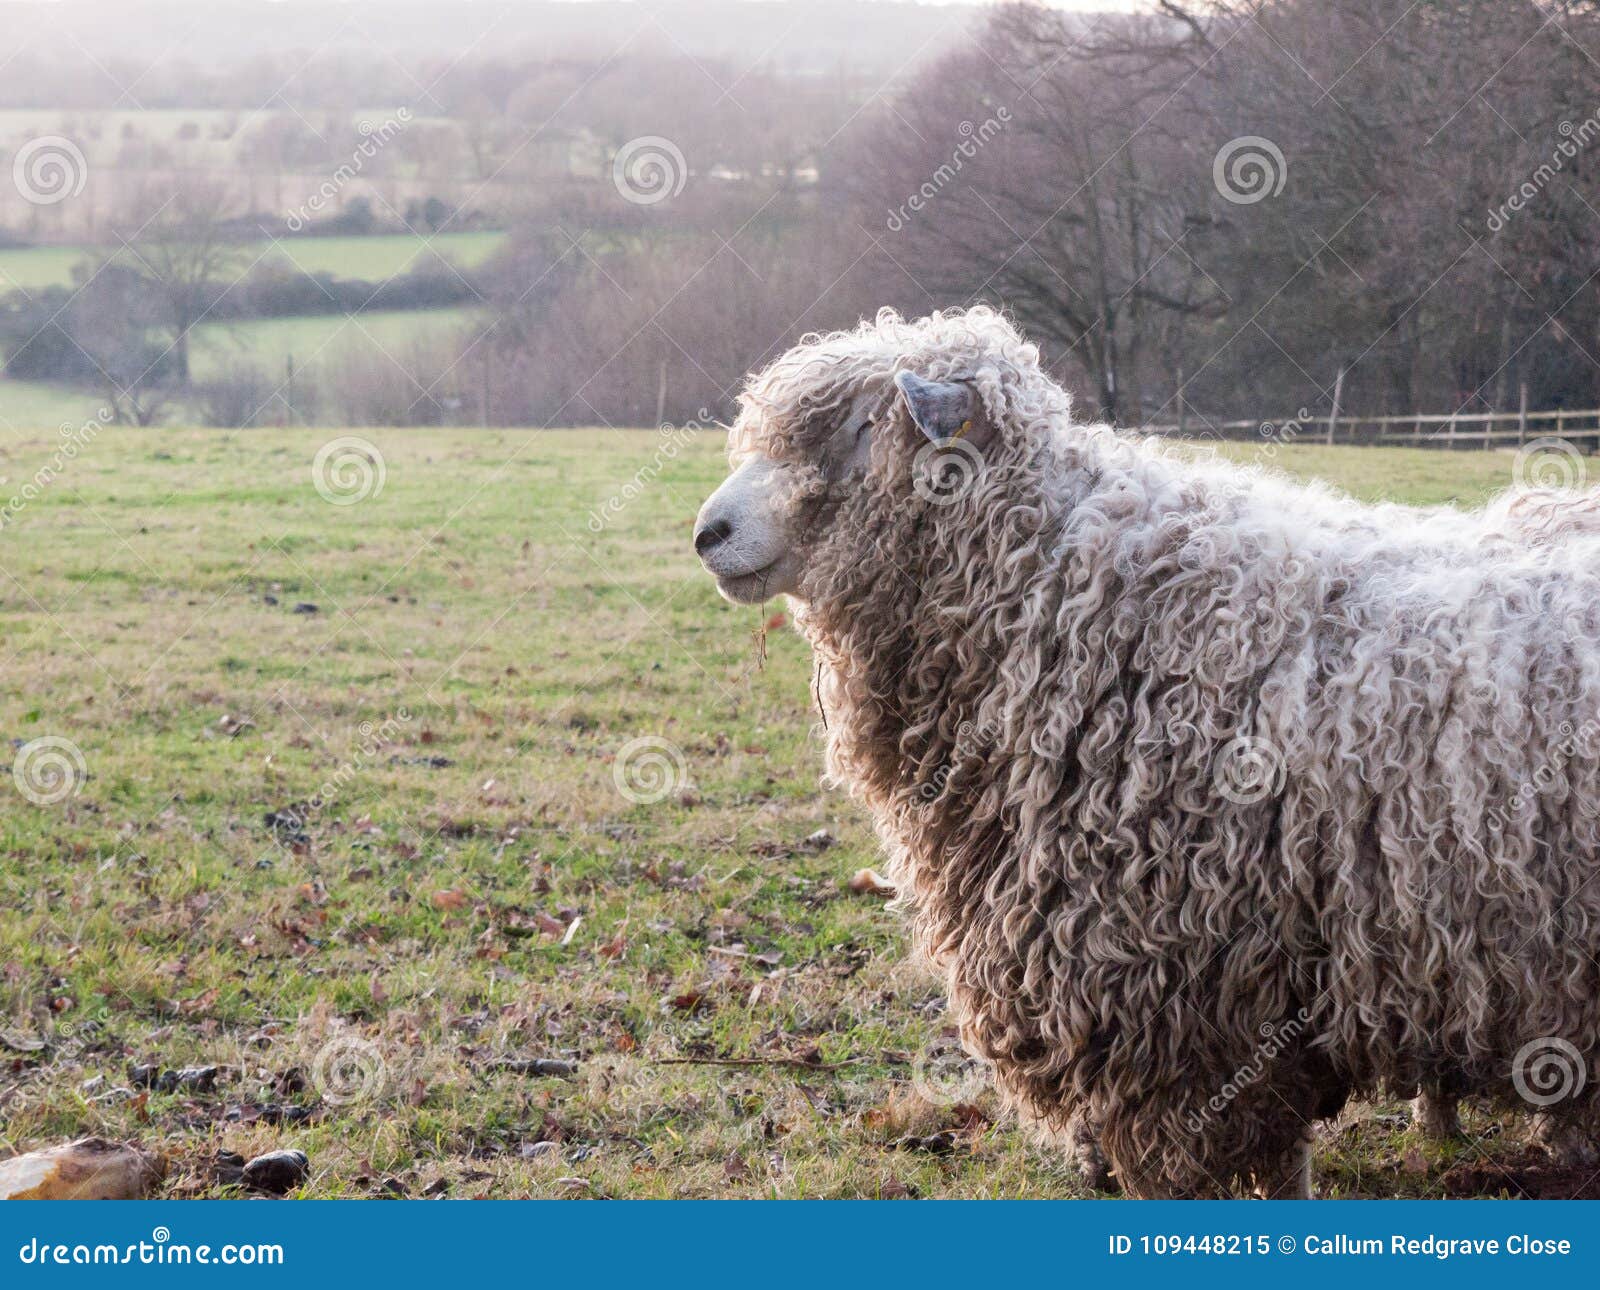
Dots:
(757, 533)
(847, 428)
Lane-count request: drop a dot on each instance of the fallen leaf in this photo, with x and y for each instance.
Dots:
(617, 946)
(868, 882)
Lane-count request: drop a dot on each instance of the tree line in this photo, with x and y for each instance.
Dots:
(1214, 210)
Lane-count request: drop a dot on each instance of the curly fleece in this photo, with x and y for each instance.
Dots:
(1215, 798)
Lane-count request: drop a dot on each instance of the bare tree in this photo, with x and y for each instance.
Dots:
(184, 249)
(1016, 170)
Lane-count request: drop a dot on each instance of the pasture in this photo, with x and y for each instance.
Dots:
(268, 343)
(375, 807)
(382, 255)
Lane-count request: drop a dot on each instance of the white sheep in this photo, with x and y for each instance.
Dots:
(1215, 798)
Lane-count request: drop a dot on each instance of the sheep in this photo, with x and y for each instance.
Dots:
(1216, 799)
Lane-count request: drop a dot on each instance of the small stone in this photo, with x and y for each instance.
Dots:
(938, 1144)
(88, 1169)
(277, 1172)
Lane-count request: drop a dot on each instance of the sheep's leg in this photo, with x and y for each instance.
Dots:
(1569, 1139)
(1286, 1176)
(1086, 1153)
(1436, 1113)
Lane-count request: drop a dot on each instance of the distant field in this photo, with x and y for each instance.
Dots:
(384, 256)
(266, 343)
(156, 123)
(263, 344)
(367, 857)
(34, 405)
(370, 258)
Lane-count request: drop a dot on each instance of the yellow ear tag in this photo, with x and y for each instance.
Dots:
(965, 426)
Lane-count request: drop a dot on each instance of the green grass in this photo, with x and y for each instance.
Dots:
(267, 343)
(383, 256)
(473, 885)
(38, 403)
(372, 258)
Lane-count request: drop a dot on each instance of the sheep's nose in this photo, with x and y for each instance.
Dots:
(712, 533)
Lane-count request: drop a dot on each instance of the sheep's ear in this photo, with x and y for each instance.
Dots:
(943, 410)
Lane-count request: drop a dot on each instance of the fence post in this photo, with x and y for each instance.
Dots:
(1183, 412)
(1338, 390)
(1561, 423)
(1522, 414)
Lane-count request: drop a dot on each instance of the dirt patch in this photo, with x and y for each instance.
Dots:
(1530, 1174)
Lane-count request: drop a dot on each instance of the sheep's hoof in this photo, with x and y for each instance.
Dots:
(1569, 1144)
(1097, 1175)
(1090, 1160)
(1286, 1178)
(1437, 1116)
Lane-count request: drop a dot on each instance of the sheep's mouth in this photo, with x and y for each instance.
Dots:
(747, 588)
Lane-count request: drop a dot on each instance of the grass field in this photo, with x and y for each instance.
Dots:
(39, 403)
(368, 857)
(267, 343)
(371, 258)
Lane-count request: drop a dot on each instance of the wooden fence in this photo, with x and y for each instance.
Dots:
(1441, 430)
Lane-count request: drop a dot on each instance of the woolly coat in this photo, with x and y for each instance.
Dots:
(1213, 796)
